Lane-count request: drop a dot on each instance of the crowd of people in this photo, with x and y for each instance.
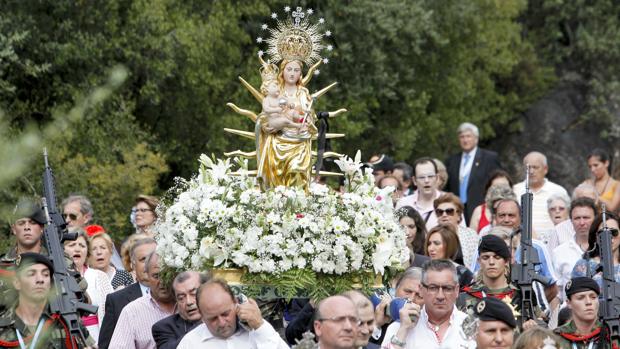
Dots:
(462, 224)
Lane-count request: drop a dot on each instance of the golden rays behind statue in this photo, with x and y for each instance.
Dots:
(287, 123)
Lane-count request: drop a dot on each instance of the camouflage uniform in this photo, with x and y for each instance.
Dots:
(7, 272)
(53, 334)
(471, 295)
(570, 340)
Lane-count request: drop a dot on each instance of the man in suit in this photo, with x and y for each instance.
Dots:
(169, 331)
(115, 302)
(468, 170)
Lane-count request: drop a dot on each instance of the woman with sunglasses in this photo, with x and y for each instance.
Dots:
(98, 282)
(443, 243)
(449, 210)
(592, 257)
(415, 227)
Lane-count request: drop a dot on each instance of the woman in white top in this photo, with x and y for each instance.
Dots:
(99, 285)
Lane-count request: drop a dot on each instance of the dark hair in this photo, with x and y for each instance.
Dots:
(450, 240)
(420, 235)
(406, 168)
(599, 153)
(424, 160)
(582, 202)
(497, 174)
(186, 275)
(449, 198)
(593, 248)
(564, 316)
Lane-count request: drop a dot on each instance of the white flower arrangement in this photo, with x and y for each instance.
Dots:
(221, 219)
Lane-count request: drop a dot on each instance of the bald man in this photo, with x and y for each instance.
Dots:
(336, 323)
(541, 188)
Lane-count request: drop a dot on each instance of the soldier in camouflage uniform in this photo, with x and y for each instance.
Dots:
(492, 278)
(584, 331)
(27, 225)
(27, 324)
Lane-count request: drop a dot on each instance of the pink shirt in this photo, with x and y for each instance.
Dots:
(133, 329)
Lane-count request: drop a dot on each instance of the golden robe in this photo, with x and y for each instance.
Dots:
(284, 157)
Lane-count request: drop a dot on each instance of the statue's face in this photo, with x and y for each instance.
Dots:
(292, 73)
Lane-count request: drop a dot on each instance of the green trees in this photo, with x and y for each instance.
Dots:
(409, 73)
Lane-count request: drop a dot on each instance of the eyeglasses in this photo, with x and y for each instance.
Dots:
(72, 216)
(342, 319)
(449, 211)
(613, 231)
(434, 289)
(142, 210)
(423, 178)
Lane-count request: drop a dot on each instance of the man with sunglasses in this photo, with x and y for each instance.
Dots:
(77, 211)
(437, 324)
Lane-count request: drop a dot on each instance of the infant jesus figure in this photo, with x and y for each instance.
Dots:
(280, 115)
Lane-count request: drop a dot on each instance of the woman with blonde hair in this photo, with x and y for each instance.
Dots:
(101, 247)
(537, 338)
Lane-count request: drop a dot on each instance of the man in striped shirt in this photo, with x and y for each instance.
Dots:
(133, 329)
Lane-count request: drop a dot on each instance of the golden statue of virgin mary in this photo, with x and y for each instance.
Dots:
(285, 127)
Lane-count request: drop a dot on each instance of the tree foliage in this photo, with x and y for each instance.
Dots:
(580, 38)
(408, 73)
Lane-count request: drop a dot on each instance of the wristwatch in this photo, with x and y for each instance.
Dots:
(397, 341)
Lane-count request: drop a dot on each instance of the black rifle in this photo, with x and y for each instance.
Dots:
(523, 274)
(609, 309)
(68, 301)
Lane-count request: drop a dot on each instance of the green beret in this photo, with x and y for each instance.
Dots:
(29, 258)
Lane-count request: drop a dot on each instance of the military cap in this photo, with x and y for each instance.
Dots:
(29, 210)
(492, 243)
(581, 284)
(384, 163)
(493, 309)
(29, 258)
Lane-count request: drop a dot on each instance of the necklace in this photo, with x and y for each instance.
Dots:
(602, 191)
(436, 327)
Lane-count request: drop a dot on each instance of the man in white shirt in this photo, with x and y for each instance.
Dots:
(565, 256)
(425, 178)
(541, 189)
(438, 323)
(336, 323)
(228, 324)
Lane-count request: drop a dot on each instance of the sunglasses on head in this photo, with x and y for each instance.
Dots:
(72, 216)
(449, 211)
